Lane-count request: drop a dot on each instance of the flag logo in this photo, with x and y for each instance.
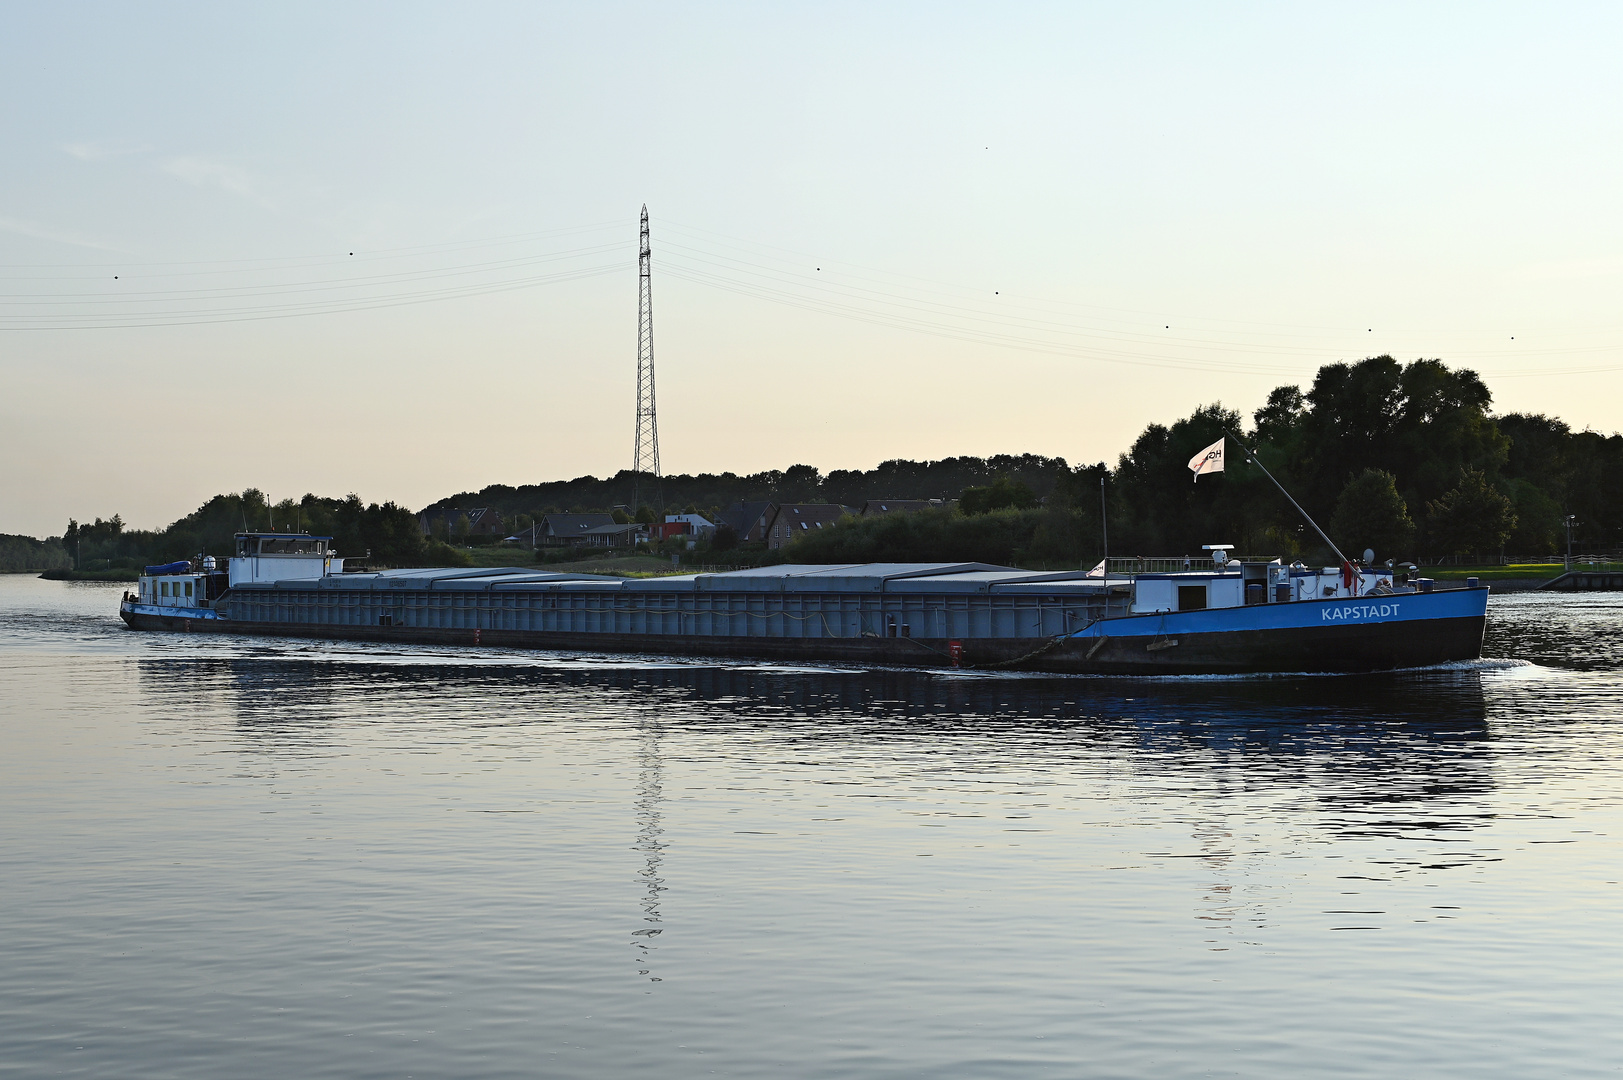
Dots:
(1208, 460)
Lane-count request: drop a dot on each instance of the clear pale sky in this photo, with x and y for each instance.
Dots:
(879, 231)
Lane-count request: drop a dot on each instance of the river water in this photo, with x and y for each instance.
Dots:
(264, 858)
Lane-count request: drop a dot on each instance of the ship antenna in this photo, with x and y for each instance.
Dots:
(1252, 457)
(645, 456)
(1104, 526)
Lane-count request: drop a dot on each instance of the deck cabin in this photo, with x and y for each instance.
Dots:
(179, 584)
(259, 557)
(264, 557)
(1237, 582)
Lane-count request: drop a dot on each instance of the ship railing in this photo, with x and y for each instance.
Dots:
(1139, 564)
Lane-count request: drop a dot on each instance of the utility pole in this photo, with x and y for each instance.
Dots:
(645, 458)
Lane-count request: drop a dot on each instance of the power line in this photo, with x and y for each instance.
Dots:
(202, 317)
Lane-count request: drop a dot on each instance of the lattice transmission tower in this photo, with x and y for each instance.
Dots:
(645, 459)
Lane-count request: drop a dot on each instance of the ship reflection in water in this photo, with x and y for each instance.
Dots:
(255, 857)
(1363, 758)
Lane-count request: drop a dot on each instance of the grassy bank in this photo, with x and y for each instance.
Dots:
(1542, 571)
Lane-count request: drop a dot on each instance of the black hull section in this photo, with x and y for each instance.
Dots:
(1349, 647)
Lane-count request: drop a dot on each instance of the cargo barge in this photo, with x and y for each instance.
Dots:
(1217, 616)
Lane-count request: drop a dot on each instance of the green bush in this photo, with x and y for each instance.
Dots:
(439, 553)
(998, 536)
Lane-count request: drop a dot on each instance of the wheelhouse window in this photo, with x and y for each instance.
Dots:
(283, 546)
(248, 546)
(188, 588)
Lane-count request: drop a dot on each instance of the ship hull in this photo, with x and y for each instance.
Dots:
(1413, 630)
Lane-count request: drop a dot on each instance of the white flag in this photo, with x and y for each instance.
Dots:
(1098, 571)
(1208, 460)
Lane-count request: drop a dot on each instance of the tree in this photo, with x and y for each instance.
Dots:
(997, 536)
(23, 553)
(1423, 422)
(1470, 518)
(1354, 411)
(1538, 520)
(1002, 494)
(1276, 421)
(1443, 429)
(800, 483)
(1156, 509)
(1372, 514)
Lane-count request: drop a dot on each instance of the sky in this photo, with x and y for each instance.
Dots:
(392, 248)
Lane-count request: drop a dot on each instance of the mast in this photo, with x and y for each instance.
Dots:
(1104, 525)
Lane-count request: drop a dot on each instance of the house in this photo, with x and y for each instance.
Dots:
(901, 506)
(485, 522)
(562, 530)
(694, 525)
(617, 536)
(481, 522)
(794, 520)
(749, 520)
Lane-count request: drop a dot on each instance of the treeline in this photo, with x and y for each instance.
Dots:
(1404, 459)
(378, 534)
(898, 479)
(22, 553)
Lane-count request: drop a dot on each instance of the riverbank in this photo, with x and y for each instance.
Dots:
(91, 575)
(1500, 585)
(1516, 577)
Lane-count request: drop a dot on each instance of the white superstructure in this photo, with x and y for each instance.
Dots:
(282, 557)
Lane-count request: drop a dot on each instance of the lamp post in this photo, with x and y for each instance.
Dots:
(1569, 521)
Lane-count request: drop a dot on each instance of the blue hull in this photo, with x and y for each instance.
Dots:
(1364, 634)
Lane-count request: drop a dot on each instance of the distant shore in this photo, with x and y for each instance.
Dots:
(91, 575)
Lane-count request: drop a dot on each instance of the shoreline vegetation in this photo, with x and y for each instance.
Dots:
(1406, 460)
(92, 575)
